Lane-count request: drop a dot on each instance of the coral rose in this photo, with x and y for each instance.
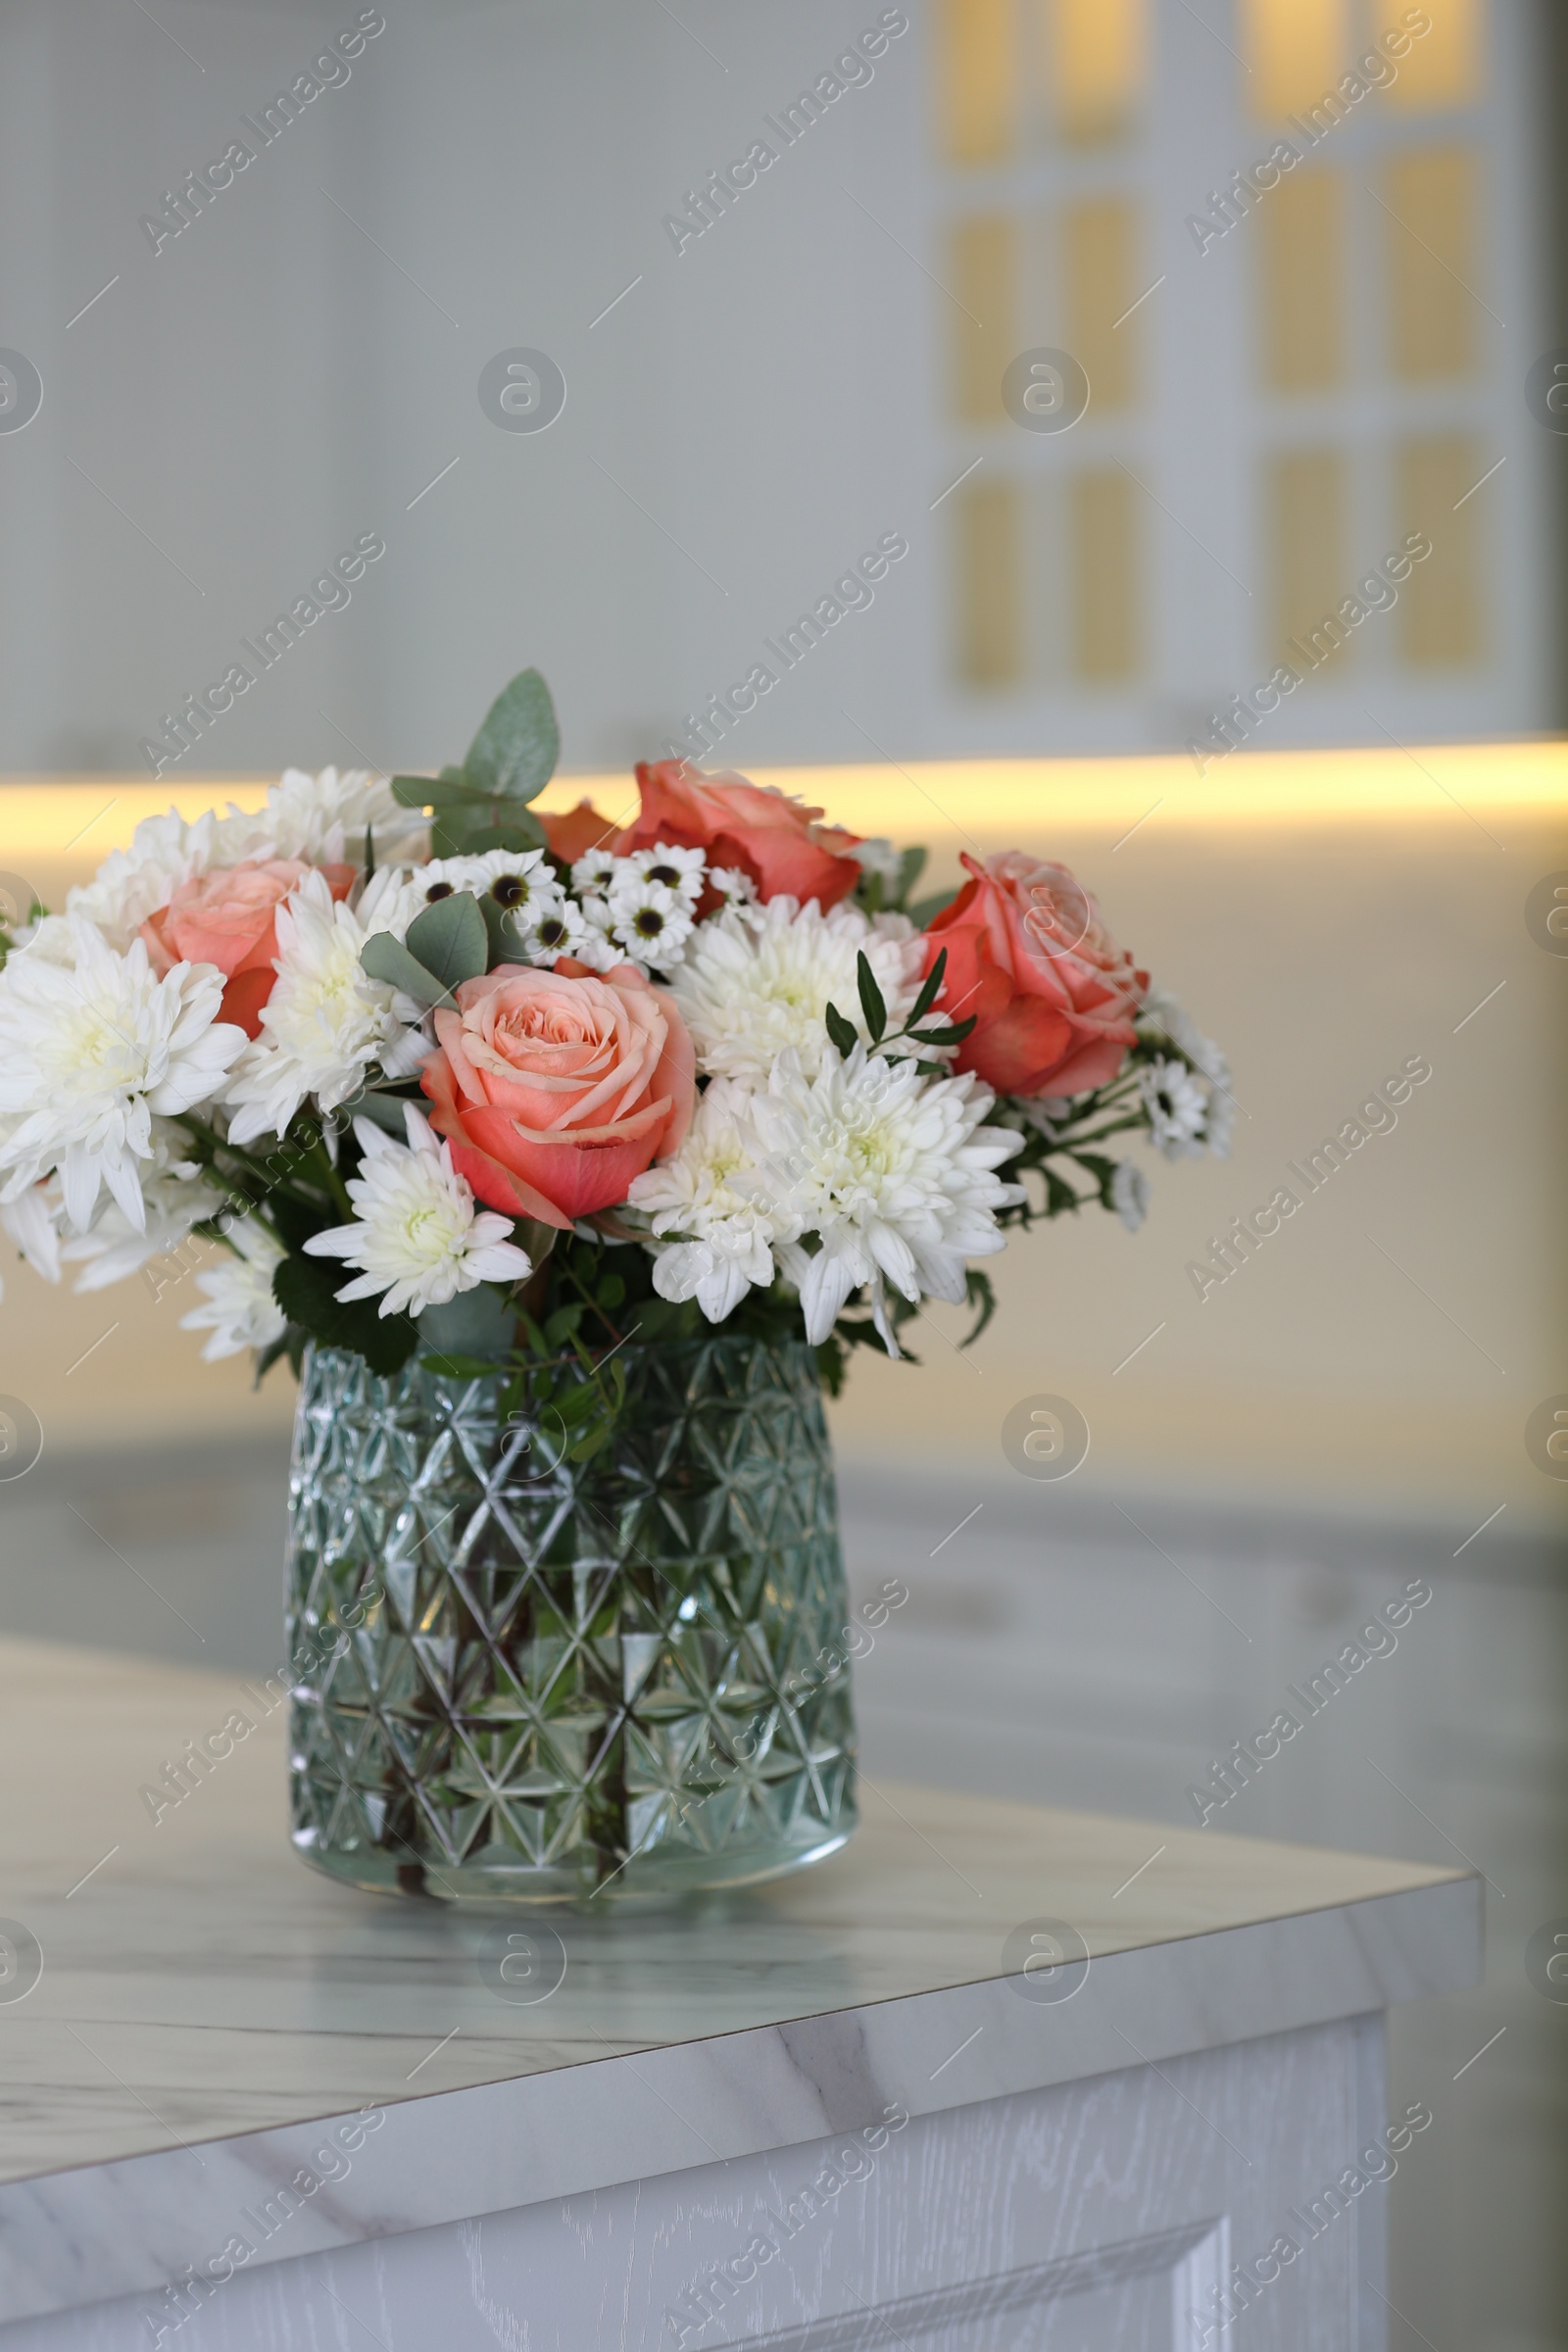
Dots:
(554, 1089)
(229, 918)
(572, 832)
(1054, 998)
(775, 840)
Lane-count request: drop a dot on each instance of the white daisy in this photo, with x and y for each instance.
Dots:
(725, 1237)
(651, 921)
(591, 875)
(680, 870)
(755, 982)
(733, 884)
(418, 1234)
(518, 879)
(560, 929)
(1161, 1014)
(893, 1173)
(325, 1023)
(240, 1310)
(1177, 1106)
(176, 1199)
(89, 1051)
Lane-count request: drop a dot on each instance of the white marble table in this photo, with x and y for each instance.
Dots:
(765, 2120)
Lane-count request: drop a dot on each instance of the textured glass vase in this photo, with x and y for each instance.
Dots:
(518, 1679)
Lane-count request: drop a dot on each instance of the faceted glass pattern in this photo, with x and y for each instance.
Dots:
(517, 1678)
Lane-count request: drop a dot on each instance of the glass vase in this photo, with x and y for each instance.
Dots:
(520, 1678)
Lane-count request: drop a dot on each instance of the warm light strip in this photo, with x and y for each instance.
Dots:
(945, 800)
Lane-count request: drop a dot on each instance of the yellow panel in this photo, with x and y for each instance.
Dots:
(1431, 246)
(1441, 66)
(1103, 594)
(982, 275)
(977, 72)
(1441, 602)
(1307, 506)
(1295, 50)
(988, 580)
(1301, 227)
(1100, 268)
(1099, 52)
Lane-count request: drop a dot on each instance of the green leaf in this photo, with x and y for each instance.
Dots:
(911, 868)
(844, 1037)
(387, 959)
(450, 940)
(306, 1288)
(871, 1000)
(953, 1034)
(413, 792)
(514, 753)
(923, 913)
(978, 1290)
(468, 833)
(475, 1325)
(930, 990)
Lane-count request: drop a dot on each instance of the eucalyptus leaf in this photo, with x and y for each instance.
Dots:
(923, 913)
(514, 753)
(387, 959)
(450, 940)
(384, 1111)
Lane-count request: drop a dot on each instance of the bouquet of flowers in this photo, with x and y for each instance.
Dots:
(444, 1075)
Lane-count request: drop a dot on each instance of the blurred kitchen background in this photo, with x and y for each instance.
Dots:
(219, 392)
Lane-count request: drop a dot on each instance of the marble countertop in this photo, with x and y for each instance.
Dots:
(206, 2002)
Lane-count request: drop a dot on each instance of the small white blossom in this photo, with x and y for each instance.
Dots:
(591, 875)
(1129, 1193)
(680, 870)
(733, 884)
(893, 1173)
(757, 982)
(326, 1022)
(89, 1052)
(418, 1234)
(395, 896)
(1177, 1107)
(725, 1237)
(240, 1310)
(649, 919)
(879, 856)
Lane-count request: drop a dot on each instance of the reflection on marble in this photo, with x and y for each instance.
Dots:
(205, 1997)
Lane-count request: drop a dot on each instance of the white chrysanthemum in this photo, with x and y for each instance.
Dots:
(240, 1310)
(396, 895)
(89, 1052)
(725, 1237)
(893, 1172)
(755, 982)
(176, 1199)
(649, 919)
(33, 1221)
(417, 1236)
(325, 1023)
(321, 819)
(132, 884)
(1177, 1106)
(680, 870)
(1129, 1193)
